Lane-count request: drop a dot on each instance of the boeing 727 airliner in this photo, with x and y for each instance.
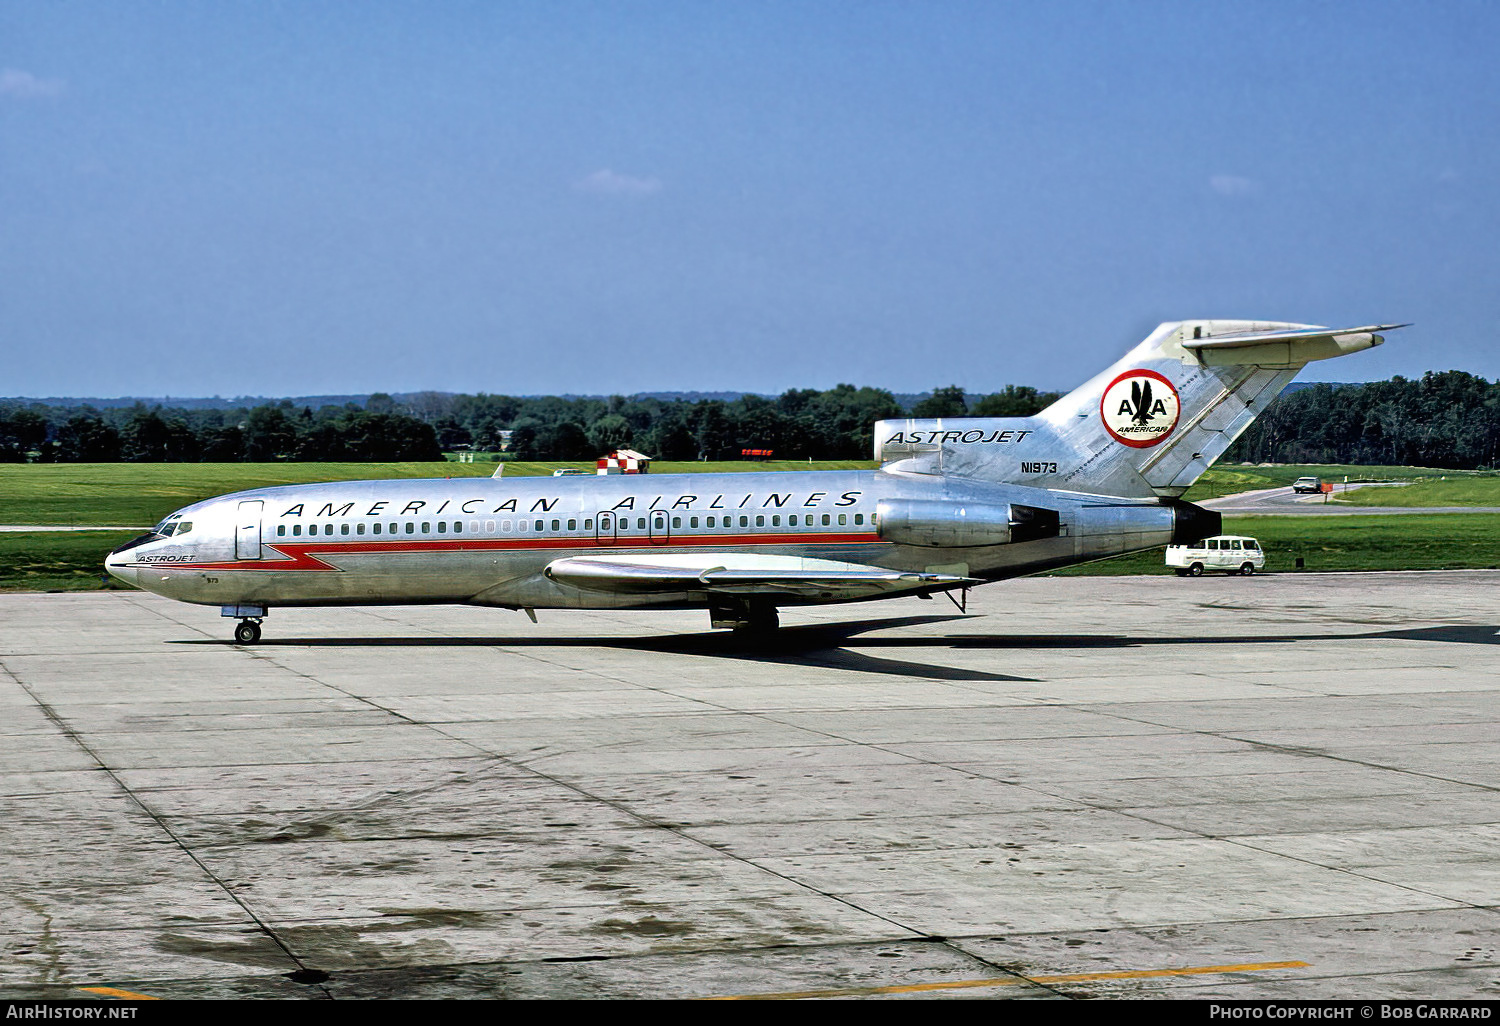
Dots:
(955, 503)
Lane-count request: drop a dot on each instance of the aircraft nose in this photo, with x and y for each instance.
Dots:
(115, 564)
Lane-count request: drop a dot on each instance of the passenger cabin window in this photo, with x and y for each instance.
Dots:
(360, 528)
(411, 528)
(296, 530)
(343, 529)
(281, 530)
(458, 527)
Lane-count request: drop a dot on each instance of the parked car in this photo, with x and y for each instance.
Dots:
(1307, 484)
(1227, 553)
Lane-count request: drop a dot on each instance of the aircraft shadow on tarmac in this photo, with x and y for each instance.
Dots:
(840, 645)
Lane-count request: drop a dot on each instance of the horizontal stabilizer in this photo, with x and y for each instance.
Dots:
(1287, 346)
(729, 573)
(1255, 338)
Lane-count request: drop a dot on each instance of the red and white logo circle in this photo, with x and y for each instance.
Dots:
(1140, 408)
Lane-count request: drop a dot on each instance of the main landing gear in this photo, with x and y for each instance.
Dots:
(248, 632)
(746, 618)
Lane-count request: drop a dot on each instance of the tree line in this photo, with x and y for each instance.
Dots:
(159, 434)
(836, 423)
(1449, 420)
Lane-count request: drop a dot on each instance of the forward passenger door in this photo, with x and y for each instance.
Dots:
(247, 530)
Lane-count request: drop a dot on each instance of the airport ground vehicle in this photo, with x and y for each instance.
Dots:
(956, 502)
(1307, 484)
(1227, 553)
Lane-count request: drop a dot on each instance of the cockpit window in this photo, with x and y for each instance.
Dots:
(167, 526)
(184, 527)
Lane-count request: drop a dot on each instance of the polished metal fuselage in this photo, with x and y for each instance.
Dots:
(487, 540)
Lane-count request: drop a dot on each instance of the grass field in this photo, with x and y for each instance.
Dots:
(1230, 478)
(57, 560)
(140, 494)
(1452, 491)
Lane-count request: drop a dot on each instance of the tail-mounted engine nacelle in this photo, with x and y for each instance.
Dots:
(1193, 523)
(937, 523)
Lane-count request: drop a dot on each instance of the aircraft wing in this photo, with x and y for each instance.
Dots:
(733, 573)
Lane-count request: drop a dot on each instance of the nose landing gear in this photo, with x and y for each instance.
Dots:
(248, 631)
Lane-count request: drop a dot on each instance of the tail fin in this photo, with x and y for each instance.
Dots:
(1148, 426)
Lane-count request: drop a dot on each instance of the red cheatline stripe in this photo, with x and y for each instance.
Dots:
(301, 554)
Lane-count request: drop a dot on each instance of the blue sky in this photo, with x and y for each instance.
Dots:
(301, 198)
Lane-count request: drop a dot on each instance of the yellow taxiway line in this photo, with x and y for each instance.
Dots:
(123, 995)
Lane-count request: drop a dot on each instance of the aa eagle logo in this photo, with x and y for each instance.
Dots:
(1140, 408)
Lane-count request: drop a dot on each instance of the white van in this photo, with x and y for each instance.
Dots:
(1229, 553)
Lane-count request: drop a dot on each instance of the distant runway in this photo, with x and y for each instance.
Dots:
(66, 527)
(1270, 787)
(1283, 502)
